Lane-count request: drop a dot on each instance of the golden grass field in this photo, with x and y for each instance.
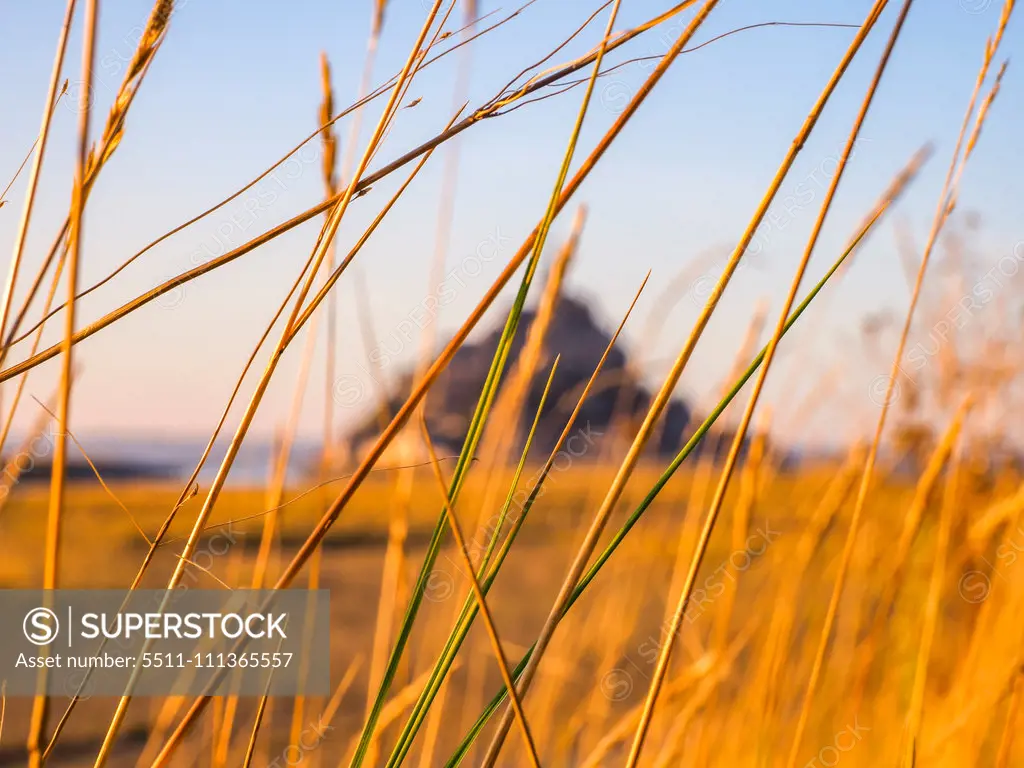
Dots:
(503, 607)
(608, 657)
(603, 659)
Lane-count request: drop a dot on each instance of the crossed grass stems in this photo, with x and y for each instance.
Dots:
(65, 251)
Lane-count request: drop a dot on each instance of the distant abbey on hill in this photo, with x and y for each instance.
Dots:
(612, 411)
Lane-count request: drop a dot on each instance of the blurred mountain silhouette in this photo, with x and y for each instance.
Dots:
(613, 410)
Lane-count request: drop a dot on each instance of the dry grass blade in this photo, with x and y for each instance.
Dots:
(329, 142)
(149, 43)
(492, 631)
(261, 709)
(54, 522)
(911, 526)
(291, 327)
(250, 749)
(738, 440)
(370, 179)
(28, 155)
(492, 561)
(37, 164)
(944, 208)
(47, 314)
(552, 74)
(660, 401)
(497, 741)
(891, 194)
(569, 85)
(99, 477)
(912, 724)
(185, 561)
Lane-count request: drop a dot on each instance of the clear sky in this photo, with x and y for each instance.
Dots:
(236, 85)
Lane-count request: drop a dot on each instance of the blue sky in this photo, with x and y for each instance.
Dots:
(236, 85)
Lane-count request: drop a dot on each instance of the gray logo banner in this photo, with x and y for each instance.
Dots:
(159, 643)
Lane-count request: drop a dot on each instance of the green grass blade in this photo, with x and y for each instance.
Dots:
(663, 479)
(470, 606)
(479, 417)
(465, 619)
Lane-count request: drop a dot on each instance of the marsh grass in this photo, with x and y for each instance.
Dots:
(609, 647)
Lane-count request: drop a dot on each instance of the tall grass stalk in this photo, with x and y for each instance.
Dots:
(947, 199)
(493, 557)
(493, 378)
(33, 177)
(895, 573)
(478, 594)
(488, 111)
(149, 43)
(480, 416)
(912, 724)
(766, 687)
(316, 259)
(505, 429)
(738, 440)
(891, 194)
(433, 681)
(55, 512)
(416, 396)
(191, 488)
(629, 463)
